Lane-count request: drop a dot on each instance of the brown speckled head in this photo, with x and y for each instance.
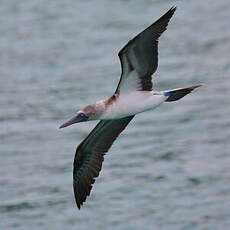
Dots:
(111, 100)
(91, 112)
(94, 111)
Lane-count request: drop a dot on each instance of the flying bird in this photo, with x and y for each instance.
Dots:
(133, 95)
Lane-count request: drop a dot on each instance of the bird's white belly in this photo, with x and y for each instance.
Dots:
(133, 103)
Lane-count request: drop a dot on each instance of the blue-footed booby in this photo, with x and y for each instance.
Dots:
(133, 95)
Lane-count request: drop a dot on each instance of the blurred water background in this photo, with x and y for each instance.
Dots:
(169, 170)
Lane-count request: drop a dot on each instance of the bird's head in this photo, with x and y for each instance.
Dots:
(87, 113)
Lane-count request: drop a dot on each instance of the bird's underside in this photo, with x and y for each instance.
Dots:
(139, 60)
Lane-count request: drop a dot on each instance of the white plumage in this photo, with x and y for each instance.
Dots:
(132, 103)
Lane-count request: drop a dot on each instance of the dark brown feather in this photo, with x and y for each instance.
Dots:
(110, 100)
(90, 155)
(177, 94)
(141, 53)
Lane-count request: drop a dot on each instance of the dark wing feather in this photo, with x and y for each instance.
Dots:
(141, 53)
(90, 155)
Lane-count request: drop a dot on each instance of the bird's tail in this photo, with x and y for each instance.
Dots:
(176, 94)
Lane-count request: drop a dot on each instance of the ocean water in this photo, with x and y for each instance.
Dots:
(169, 170)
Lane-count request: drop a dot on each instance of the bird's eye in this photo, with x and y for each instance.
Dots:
(81, 115)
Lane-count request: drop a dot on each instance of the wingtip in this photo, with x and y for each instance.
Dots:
(172, 9)
(170, 12)
(78, 203)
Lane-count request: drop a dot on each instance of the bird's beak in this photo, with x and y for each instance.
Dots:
(73, 120)
(69, 122)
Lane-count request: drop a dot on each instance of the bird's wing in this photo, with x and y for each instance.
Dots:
(90, 155)
(139, 57)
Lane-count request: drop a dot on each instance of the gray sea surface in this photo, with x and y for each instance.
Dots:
(169, 170)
